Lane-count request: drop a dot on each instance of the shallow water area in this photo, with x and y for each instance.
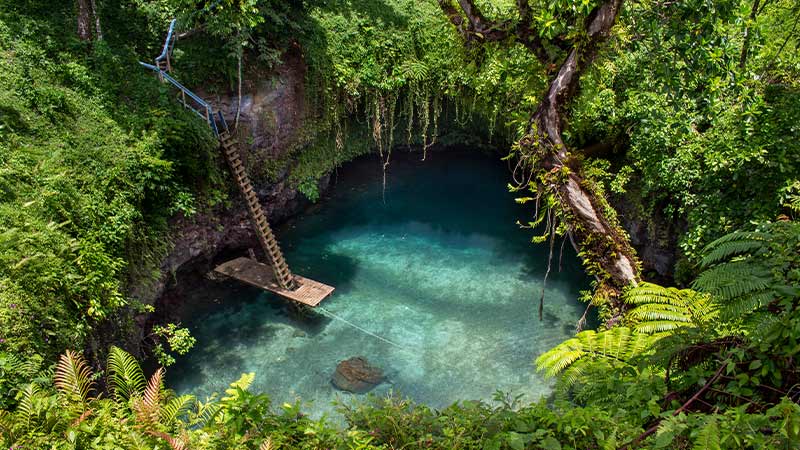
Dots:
(435, 284)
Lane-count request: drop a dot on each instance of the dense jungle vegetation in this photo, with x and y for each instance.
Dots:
(685, 110)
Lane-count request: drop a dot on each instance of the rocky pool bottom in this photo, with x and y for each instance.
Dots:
(436, 287)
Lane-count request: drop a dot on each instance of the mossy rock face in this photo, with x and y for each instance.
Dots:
(356, 375)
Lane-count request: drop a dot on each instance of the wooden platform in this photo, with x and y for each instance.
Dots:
(260, 275)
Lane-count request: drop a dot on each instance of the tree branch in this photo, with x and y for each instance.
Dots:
(683, 407)
(478, 28)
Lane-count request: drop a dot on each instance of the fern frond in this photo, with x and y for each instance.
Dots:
(414, 70)
(732, 244)
(174, 408)
(125, 376)
(81, 418)
(617, 345)
(26, 406)
(242, 383)
(708, 437)
(659, 309)
(728, 249)
(152, 393)
(266, 445)
(148, 407)
(747, 304)
(207, 413)
(73, 378)
(761, 324)
(173, 442)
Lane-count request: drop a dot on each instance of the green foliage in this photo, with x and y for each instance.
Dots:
(178, 339)
(748, 270)
(91, 165)
(125, 375)
(658, 309)
(737, 335)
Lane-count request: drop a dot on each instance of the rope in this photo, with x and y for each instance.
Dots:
(334, 316)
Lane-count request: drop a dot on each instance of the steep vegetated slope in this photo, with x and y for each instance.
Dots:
(93, 163)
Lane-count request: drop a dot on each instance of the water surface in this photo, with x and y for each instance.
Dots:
(435, 267)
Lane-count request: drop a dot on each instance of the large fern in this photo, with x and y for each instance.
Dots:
(658, 309)
(125, 376)
(733, 244)
(743, 270)
(617, 346)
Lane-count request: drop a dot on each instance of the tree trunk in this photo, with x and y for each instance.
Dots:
(598, 235)
(84, 20)
(98, 32)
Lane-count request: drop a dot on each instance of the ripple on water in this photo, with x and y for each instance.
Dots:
(440, 270)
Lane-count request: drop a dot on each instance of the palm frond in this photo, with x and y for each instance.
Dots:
(73, 378)
(125, 376)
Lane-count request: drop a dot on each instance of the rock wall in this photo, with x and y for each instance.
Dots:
(655, 237)
(271, 119)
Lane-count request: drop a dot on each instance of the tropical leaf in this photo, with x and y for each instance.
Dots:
(73, 378)
(242, 383)
(175, 443)
(732, 244)
(174, 408)
(266, 445)
(414, 70)
(617, 345)
(147, 408)
(658, 309)
(125, 376)
(26, 408)
(708, 436)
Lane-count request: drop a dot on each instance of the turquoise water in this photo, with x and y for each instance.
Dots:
(438, 269)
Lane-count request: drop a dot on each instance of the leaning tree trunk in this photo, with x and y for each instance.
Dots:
(582, 209)
(603, 244)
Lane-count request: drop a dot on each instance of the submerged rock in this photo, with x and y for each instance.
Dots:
(356, 375)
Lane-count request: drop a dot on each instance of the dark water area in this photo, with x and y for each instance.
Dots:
(435, 284)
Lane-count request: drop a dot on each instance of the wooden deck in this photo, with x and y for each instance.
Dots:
(254, 273)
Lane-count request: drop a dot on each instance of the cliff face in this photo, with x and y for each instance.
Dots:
(271, 119)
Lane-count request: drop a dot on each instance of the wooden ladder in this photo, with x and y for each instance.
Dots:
(283, 275)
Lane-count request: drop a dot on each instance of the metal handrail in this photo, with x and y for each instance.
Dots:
(165, 51)
(204, 110)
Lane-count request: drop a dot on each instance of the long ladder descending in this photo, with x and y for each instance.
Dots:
(266, 238)
(275, 276)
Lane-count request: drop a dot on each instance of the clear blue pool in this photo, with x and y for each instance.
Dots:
(439, 270)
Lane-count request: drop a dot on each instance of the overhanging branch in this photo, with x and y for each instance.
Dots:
(476, 27)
